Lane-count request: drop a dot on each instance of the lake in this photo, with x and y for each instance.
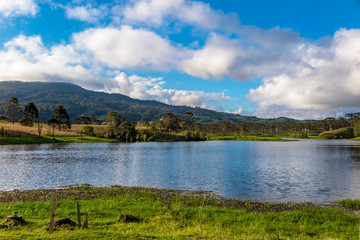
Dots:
(298, 171)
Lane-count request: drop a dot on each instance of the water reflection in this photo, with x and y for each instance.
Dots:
(306, 170)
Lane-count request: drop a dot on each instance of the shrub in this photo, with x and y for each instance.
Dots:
(338, 133)
(88, 130)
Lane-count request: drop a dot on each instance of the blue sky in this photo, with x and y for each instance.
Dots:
(266, 58)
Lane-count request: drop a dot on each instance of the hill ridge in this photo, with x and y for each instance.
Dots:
(96, 104)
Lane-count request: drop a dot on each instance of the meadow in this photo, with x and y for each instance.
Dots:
(170, 214)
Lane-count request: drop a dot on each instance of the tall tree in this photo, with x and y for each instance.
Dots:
(53, 123)
(13, 109)
(62, 117)
(120, 128)
(31, 113)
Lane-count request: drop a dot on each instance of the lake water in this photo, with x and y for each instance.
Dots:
(305, 170)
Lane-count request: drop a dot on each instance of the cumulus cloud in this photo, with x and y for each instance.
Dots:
(85, 13)
(195, 13)
(246, 56)
(26, 58)
(327, 78)
(18, 7)
(152, 89)
(301, 78)
(129, 48)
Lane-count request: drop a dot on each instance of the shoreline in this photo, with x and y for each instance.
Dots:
(84, 192)
(169, 214)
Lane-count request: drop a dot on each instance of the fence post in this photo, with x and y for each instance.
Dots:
(78, 212)
(52, 217)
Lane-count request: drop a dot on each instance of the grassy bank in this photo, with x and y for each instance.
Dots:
(165, 214)
(30, 139)
(247, 138)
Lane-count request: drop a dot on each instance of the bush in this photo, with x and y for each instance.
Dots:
(88, 130)
(338, 133)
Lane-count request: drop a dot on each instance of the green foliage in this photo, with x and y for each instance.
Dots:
(88, 130)
(350, 203)
(13, 109)
(30, 114)
(120, 128)
(82, 120)
(356, 127)
(62, 118)
(246, 138)
(338, 133)
(53, 123)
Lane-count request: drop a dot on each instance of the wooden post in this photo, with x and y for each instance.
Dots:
(86, 221)
(52, 216)
(200, 215)
(78, 212)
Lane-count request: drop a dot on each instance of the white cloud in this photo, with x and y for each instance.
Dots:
(12, 8)
(86, 13)
(129, 48)
(324, 79)
(245, 57)
(152, 89)
(26, 58)
(196, 13)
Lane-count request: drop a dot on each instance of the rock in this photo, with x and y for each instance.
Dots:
(127, 218)
(13, 221)
(64, 221)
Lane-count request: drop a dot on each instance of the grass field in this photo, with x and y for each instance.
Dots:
(18, 134)
(165, 214)
(246, 138)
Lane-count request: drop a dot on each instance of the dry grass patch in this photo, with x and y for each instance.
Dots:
(13, 130)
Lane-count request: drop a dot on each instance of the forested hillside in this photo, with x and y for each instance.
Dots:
(96, 105)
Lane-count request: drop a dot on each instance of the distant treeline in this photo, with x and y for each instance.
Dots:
(173, 127)
(177, 123)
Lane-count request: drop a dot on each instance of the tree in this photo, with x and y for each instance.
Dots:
(53, 123)
(169, 122)
(114, 120)
(13, 109)
(189, 116)
(62, 117)
(31, 113)
(88, 130)
(82, 120)
(126, 131)
(39, 127)
(120, 128)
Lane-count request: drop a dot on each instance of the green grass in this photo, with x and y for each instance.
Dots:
(78, 139)
(30, 139)
(338, 133)
(246, 138)
(350, 203)
(167, 214)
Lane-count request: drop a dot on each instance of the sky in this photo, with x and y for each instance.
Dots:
(298, 59)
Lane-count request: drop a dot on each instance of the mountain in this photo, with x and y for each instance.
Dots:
(79, 101)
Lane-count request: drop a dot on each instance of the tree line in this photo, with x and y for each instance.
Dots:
(29, 115)
(172, 124)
